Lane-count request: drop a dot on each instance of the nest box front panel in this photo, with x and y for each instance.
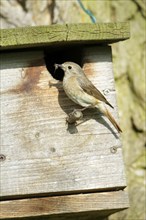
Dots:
(42, 153)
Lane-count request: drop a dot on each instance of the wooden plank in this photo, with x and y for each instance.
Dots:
(43, 154)
(100, 203)
(63, 34)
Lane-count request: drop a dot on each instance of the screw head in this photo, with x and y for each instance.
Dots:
(113, 149)
(2, 157)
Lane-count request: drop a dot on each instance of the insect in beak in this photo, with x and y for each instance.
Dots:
(58, 66)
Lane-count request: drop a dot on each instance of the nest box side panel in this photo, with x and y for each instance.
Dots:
(43, 155)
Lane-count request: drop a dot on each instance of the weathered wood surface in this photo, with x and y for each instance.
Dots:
(103, 203)
(63, 34)
(43, 154)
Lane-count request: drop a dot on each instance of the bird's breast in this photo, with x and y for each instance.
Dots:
(74, 91)
(71, 87)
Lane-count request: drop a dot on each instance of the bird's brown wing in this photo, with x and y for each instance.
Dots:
(89, 88)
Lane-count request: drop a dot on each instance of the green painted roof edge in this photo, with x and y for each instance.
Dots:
(58, 34)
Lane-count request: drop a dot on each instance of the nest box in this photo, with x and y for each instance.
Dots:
(48, 167)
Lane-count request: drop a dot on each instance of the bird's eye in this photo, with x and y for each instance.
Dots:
(69, 67)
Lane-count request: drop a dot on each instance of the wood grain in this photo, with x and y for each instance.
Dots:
(63, 34)
(101, 204)
(43, 154)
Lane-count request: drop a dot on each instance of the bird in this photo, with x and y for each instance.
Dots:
(82, 91)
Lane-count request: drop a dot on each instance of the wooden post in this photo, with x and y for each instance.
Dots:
(76, 171)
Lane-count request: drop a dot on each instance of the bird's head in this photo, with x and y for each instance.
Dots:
(70, 68)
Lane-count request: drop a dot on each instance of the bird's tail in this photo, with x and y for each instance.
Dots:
(104, 110)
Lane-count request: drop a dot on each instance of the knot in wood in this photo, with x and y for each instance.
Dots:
(74, 116)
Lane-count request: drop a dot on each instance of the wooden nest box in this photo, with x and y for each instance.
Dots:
(48, 167)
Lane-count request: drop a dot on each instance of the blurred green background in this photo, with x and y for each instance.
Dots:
(129, 64)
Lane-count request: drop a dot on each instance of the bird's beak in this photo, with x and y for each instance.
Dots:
(59, 66)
